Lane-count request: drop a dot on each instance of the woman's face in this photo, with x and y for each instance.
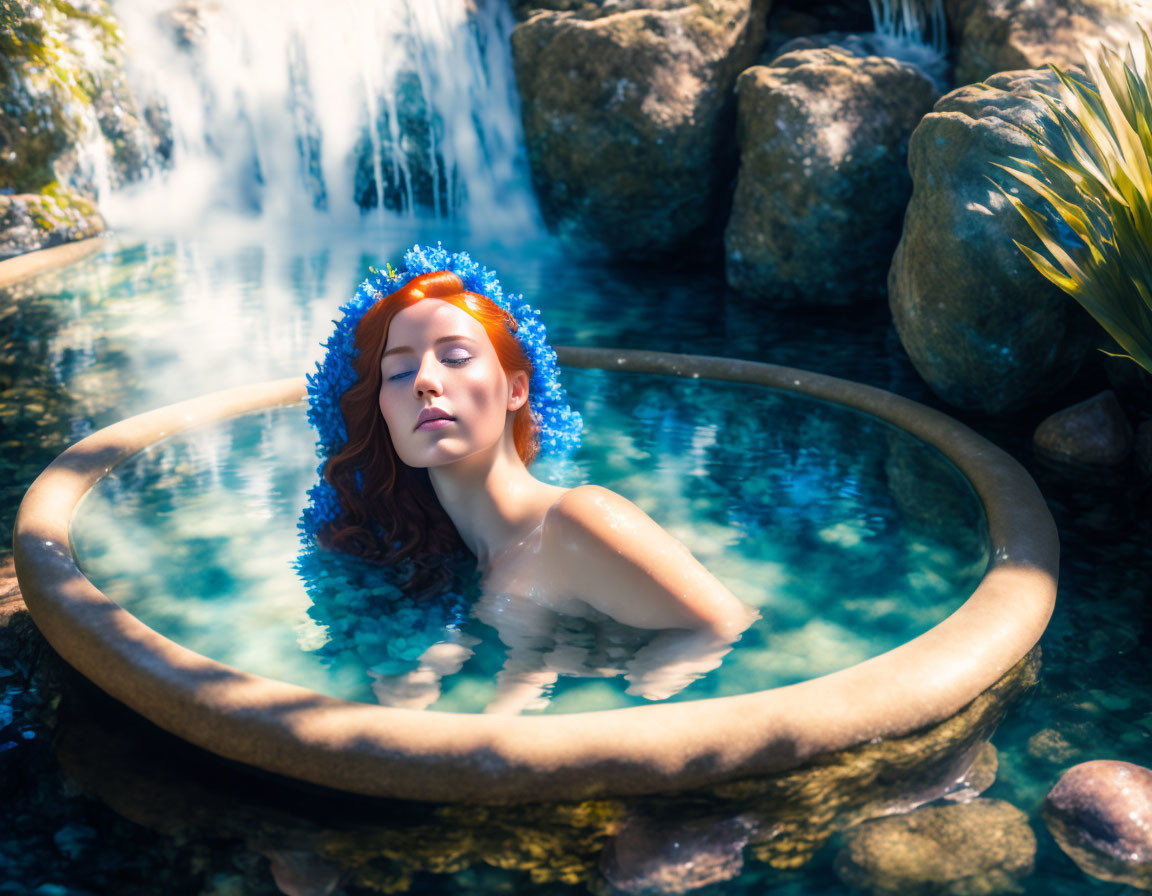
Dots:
(438, 363)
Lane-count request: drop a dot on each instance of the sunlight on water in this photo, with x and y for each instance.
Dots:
(843, 549)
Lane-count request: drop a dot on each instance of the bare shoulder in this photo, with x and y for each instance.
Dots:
(606, 551)
(594, 510)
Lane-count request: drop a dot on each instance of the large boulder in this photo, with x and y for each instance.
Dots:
(823, 180)
(628, 117)
(67, 116)
(984, 846)
(980, 324)
(1005, 35)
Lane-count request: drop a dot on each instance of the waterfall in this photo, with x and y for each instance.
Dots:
(331, 111)
(913, 21)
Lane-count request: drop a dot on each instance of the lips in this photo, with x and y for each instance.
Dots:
(432, 414)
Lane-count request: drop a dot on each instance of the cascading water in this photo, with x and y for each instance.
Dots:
(292, 108)
(913, 21)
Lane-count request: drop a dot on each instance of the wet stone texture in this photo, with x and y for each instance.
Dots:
(1100, 813)
(981, 847)
(1052, 746)
(629, 117)
(648, 856)
(980, 324)
(31, 222)
(823, 177)
(1093, 433)
(1003, 35)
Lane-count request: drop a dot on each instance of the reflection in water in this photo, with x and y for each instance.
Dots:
(801, 509)
(311, 841)
(543, 645)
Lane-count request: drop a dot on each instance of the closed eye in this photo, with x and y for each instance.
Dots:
(452, 362)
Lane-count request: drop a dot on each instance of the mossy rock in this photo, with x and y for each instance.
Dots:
(62, 77)
(37, 221)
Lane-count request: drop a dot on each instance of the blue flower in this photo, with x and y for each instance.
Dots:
(559, 425)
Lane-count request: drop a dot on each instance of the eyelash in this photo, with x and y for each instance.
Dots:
(454, 362)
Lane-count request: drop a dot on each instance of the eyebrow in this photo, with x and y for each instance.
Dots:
(407, 348)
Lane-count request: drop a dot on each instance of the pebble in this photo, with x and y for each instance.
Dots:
(1092, 433)
(1104, 805)
(651, 856)
(985, 846)
(1049, 745)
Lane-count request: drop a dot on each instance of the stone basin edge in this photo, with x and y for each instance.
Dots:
(450, 757)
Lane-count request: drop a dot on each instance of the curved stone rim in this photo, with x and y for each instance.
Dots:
(390, 752)
(29, 264)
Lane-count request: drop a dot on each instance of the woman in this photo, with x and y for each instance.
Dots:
(445, 396)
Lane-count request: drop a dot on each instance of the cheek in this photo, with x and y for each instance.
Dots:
(488, 399)
(387, 409)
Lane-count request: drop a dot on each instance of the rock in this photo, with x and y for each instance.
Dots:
(1093, 433)
(979, 776)
(1100, 813)
(980, 324)
(1003, 35)
(525, 9)
(672, 856)
(303, 873)
(930, 62)
(984, 846)
(628, 117)
(823, 181)
(67, 116)
(31, 222)
(1049, 745)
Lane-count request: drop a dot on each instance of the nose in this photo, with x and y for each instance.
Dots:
(427, 380)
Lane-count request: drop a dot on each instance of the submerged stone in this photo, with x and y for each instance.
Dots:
(1100, 812)
(649, 856)
(1094, 433)
(984, 846)
(1050, 745)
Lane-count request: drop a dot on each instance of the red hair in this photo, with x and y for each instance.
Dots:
(392, 514)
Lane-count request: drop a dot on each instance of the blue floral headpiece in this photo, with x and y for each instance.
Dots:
(559, 425)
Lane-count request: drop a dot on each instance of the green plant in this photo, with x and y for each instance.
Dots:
(1093, 168)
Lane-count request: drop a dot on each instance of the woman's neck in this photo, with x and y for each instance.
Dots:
(494, 503)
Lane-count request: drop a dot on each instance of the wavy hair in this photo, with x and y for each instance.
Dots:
(390, 514)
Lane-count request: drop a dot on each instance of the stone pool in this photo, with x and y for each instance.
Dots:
(122, 313)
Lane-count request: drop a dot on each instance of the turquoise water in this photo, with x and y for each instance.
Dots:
(809, 512)
(147, 322)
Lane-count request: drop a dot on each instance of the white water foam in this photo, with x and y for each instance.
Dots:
(274, 103)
